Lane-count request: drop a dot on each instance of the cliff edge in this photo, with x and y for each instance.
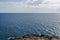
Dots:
(35, 37)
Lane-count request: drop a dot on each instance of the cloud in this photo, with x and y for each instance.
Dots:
(30, 6)
(52, 4)
(34, 3)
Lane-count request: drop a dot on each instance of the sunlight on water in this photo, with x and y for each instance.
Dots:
(13, 25)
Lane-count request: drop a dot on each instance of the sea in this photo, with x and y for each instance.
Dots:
(20, 24)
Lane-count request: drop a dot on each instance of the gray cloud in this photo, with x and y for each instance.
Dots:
(31, 6)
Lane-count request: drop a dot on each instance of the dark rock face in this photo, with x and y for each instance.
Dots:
(35, 37)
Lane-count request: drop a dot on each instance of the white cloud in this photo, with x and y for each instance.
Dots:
(30, 6)
(51, 4)
(51, 1)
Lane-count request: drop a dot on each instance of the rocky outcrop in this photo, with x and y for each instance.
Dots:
(35, 37)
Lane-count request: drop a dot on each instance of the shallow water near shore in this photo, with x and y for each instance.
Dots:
(16, 25)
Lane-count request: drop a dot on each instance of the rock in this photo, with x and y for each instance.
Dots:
(35, 37)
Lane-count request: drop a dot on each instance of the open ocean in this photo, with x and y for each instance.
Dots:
(16, 25)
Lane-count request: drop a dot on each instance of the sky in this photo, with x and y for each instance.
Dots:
(29, 6)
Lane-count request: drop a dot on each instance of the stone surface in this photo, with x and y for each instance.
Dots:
(35, 37)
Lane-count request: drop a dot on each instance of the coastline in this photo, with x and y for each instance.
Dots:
(35, 37)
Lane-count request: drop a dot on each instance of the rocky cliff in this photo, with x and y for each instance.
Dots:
(35, 37)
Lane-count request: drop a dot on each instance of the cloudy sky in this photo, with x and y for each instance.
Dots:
(29, 6)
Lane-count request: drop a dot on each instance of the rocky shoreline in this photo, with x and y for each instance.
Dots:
(35, 37)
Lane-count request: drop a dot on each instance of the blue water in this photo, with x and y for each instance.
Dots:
(16, 25)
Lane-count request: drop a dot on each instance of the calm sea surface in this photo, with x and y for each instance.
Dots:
(16, 25)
